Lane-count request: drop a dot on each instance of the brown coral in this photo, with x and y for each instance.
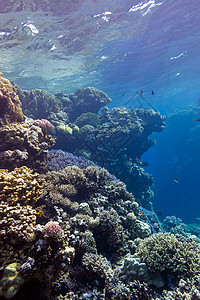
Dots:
(23, 143)
(20, 186)
(10, 104)
(17, 223)
(167, 252)
(98, 264)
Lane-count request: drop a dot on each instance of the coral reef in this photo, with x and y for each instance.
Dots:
(133, 269)
(11, 281)
(114, 138)
(185, 290)
(20, 186)
(38, 104)
(166, 252)
(24, 143)
(82, 101)
(10, 104)
(17, 223)
(98, 264)
(73, 230)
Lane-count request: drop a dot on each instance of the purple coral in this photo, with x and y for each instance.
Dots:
(52, 230)
(44, 124)
(58, 160)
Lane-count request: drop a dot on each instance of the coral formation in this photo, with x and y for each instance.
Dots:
(38, 104)
(10, 104)
(24, 143)
(133, 269)
(17, 223)
(73, 230)
(166, 252)
(114, 138)
(98, 264)
(20, 186)
(11, 281)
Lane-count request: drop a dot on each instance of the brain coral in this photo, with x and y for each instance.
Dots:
(10, 104)
(167, 252)
(20, 186)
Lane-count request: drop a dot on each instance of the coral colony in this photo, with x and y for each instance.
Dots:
(77, 223)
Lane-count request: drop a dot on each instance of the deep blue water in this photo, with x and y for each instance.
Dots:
(119, 47)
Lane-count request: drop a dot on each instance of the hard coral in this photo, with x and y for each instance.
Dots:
(10, 104)
(24, 143)
(11, 281)
(52, 230)
(38, 104)
(98, 264)
(186, 290)
(20, 186)
(17, 223)
(166, 252)
(115, 139)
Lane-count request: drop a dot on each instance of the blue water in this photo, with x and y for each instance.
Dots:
(119, 47)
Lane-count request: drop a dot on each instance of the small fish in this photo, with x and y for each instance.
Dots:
(142, 213)
(143, 164)
(175, 180)
(40, 213)
(138, 161)
(152, 92)
(141, 92)
(198, 120)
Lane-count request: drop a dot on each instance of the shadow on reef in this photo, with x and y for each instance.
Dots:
(69, 229)
(32, 290)
(113, 138)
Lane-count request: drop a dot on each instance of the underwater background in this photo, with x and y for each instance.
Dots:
(119, 47)
(99, 141)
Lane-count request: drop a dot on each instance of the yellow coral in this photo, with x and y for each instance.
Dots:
(65, 129)
(165, 251)
(11, 281)
(76, 129)
(20, 186)
(17, 223)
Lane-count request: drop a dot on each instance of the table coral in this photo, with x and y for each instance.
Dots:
(10, 104)
(20, 186)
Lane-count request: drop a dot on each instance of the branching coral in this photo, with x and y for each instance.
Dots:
(166, 252)
(20, 186)
(110, 231)
(10, 104)
(98, 264)
(186, 290)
